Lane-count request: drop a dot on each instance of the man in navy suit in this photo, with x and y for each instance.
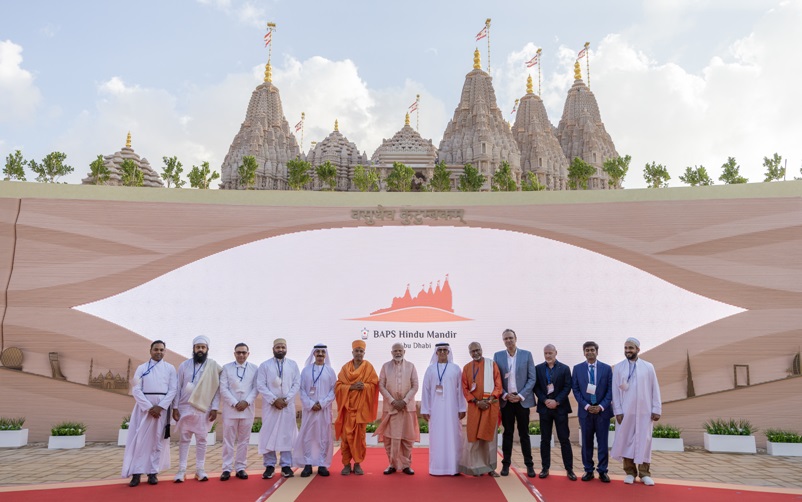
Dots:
(518, 381)
(552, 389)
(593, 390)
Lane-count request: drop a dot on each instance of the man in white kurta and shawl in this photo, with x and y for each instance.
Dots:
(153, 387)
(278, 381)
(636, 404)
(195, 406)
(443, 406)
(315, 443)
(238, 393)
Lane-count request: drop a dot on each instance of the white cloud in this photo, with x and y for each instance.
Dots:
(19, 96)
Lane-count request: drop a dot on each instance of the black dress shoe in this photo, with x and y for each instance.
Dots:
(543, 474)
(307, 471)
(389, 470)
(269, 471)
(505, 470)
(604, 477)
(571, 476)
(242, 474)
(225, 476)
(134, 480)
(588, 476)
(286, 471)
(152, 479)
(322, 471)
(408, 470)
(530, 471)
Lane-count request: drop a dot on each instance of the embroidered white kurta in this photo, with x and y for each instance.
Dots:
(273, 381)
(315, 442)
(633, 436)
(445, 429)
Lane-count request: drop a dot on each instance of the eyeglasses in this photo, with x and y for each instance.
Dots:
(241, 353)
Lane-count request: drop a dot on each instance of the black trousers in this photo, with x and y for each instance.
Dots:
(511, 414)
(560, 420)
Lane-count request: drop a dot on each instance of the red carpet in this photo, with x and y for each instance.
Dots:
(398, 487)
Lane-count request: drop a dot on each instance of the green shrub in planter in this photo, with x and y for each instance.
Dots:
(124, 425)
(372, 426)
(666, 431)
(612, 424)
(68, 429)
(729, 427)
(257, 425)
(423, 426)
(534, 428)
(781, 436)
(11, 424)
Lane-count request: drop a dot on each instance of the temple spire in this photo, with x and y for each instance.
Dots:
(406, 120)
(577, 71)
(128, 140)
(477, 64)
(336, 125)
(268, 73)
(529, 85)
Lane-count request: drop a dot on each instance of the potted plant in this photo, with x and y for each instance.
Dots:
(67, 435)
(369, 430)
(423, 426)
(211, 436)
(666, 437)
(610, 436)
(12, 435)
(122, 434)
(729, 436)
(783, 443)
(255, 428)
(534, 435)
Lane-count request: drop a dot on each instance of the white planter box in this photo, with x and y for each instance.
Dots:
(424, 439)
(730, 444)
(668, 444)
(66, 442)
(122, 437)
(211, 438)
(784, 449)
(371, 440)
(13, 439)
(534, 441)
(610, 439)
(254, 439)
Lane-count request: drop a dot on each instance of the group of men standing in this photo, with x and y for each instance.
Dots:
(506, 386)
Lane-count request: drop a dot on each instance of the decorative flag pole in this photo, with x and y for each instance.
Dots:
(487, 26)
(417, 112)
(587, 61)
(269, 39)
(300, 127)
(538, 71)
(532, 62)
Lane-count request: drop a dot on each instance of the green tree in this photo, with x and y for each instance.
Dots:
(400, 178)
(367, 179)
(656, 175)
(531, 184)
(51, 168)
(696, 176)
(617, 169)
(202, 177)
(299, 173)
(15, 166)
(730, 173)
(98, 171)
(441, 179)
(773, 170)
(247, 171)
(327, 174)
(131, 175)
(503, 180)
(579, 172)
(171, 172)
(471, 180)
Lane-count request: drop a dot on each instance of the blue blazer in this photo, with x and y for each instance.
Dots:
(604, 389)
(524, 375)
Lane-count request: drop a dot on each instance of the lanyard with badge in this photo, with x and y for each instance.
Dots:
(632, 368)
(280, 368)
(549, 374)
(475, 372)
(147, 372)
(313, 388)
(195, 373)
(439, 388)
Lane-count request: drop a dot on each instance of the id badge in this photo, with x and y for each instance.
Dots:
(312, 391)
(550, 388)
(473, 386)
(506, 376)
(189, 387)
(277, 382)
(624, 386)
(591, 389)
(439, 389)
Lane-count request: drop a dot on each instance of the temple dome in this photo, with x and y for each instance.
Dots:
(114, 164)
(343, 154)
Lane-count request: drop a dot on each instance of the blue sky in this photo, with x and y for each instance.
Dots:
(679, 82)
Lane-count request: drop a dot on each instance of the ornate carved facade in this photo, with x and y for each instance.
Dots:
(114, 164)
(408, 147)
(342, 154)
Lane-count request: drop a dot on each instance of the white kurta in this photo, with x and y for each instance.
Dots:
(279, 428)
(315, 442)
(234, 389)
(146, 450)
(191, 419)
(633, 436)
(445, 429)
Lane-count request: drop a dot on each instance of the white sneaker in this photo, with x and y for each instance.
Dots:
(629, 479)
(180, 475)
(647, 481)
(200, 475)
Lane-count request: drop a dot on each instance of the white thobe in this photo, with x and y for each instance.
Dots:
(146, 450)
(237, 383)
(633, 436)
(443, 408)
(192, 420)
(315, 442)
(279, 428)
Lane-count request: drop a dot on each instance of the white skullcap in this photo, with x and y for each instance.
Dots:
(633, 341)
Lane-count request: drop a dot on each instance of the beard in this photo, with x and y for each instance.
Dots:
(200, 357)
(631, 355)
(279, 355)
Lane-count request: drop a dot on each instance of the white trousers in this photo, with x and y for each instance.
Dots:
(236, 430)
(189, 424)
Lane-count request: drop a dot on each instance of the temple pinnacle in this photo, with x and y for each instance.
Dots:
(529, 85)
(406, 120)
(128, 140)
(336, 125)
(268, 72)
(577, 71)
(477, 64)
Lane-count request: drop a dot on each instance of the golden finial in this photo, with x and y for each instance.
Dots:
(477, 65)
(577, 71)
(128, 140)
(268, 72)
(336, 125)
(529, 85)
(406, 120)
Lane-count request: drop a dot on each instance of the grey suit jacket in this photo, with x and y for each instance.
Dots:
(525, 377)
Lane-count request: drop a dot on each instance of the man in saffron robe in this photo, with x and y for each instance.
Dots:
(357, 392)
(153, 387)
(481, 385)
(315, 443)
(398, 384)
